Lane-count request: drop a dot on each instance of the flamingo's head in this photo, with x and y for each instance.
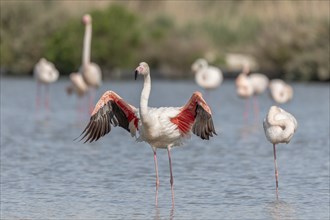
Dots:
(142, 69)
(86, 19)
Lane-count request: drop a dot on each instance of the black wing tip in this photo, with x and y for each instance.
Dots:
(203, 127)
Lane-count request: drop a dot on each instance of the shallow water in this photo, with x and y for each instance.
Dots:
(44, 173)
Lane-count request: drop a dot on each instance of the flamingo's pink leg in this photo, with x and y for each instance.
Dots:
(91, 100)
(47, 97)
(156, 168)
(38, 97)
(276, 171)
(256, 108)
(246, 111)
(171, 181)
(157, 178)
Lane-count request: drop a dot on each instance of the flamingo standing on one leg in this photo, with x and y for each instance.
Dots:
(91, 72)
(207, 77)
(45, 74)
(279, 127)
(280, 91)
(164, 127)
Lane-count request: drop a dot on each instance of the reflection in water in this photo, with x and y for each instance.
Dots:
(43, 171)
(248, 130)
(157, 214)
(156, 197)
(281, 210)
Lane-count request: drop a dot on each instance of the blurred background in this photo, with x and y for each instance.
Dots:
(45, 174)
(283, 39)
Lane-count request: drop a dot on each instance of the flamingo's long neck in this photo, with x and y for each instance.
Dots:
(145, 97)
(87, 44)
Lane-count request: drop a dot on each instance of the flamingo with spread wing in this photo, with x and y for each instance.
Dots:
(163, 127)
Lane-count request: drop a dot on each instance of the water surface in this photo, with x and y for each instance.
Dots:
(45, 174)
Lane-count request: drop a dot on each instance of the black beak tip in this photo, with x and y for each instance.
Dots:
(136, 74)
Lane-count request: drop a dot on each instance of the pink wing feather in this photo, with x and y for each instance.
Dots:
(196, 116)
(111, 109)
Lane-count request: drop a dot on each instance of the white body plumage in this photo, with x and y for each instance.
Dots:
(259, 82)
(279, 125)
(45, 72)
(161, 132)
(280, 91)
(207, 77)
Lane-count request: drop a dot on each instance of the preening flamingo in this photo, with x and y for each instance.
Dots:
(244, 86)
(280, 91)
(279, 127)
(91, 72)
(251, 85)
(45, 74)
(163, 127)
(79, 87)
(207, 77)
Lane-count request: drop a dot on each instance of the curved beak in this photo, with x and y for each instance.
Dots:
(136, 74)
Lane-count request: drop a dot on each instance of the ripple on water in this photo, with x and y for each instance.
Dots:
(44, 173)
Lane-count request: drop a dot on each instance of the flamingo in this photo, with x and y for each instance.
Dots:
(279, 127)
(207, 77)
(280, 91)
(251, 85)
(91, 72)
(163, 128)
(244, 88)
(45, 74)
(78, 86)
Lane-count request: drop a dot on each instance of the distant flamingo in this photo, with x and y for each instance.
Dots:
(163, 127)
(244, 88)
(207, 77)
(91, 72)
(45, 74)
(77, 86)
(280, 91)
(279, 127)
(256, 82)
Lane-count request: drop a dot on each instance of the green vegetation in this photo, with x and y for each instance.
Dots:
(290, 39)
(115, 41)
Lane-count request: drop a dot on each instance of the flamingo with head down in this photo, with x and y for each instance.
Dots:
(79, 87)
(163, 128)
(279, 127)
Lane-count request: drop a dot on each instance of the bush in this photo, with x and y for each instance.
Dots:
(116, 38)
(296, 51)
(170, 49)
(25, 27)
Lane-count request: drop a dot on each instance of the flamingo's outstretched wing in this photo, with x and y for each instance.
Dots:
(195, 116)
(111, 109)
